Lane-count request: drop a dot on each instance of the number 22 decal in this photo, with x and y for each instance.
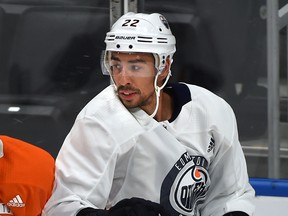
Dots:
(130, 22)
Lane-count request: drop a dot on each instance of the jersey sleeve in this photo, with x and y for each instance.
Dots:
(93, 156)
(84, 169)
(230, 189)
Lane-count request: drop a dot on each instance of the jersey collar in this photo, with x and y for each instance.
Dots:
(180, 94)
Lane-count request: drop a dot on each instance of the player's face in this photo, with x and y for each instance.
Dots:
(133, 75)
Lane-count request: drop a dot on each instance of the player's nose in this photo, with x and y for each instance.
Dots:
(124, 77)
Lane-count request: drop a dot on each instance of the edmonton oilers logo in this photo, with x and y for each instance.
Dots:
(164, 21)
(190, 188)
(185, 185)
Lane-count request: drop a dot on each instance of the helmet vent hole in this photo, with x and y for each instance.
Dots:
(118, 46)
(130, 46)
(160, 29)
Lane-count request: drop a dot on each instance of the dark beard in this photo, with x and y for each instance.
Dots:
(142, 103)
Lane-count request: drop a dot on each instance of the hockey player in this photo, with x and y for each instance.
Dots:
(145, 147)
(26, 177)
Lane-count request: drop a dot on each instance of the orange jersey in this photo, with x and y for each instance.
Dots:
(26, 177)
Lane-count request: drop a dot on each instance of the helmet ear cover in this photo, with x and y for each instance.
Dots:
(138, 32)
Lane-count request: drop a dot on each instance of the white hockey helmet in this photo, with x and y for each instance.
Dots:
(139, 32)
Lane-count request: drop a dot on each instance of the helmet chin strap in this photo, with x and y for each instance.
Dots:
(157, 91)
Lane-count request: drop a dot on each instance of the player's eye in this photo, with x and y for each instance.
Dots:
(116, 68)
(135, 68)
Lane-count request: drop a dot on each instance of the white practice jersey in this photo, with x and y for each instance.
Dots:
(192, 164)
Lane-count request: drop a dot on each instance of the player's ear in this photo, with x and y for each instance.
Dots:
(165, 72)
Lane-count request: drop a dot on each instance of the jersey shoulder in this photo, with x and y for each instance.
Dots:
(208, 99)
(107, 112)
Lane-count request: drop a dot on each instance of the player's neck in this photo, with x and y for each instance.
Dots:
(165, 109)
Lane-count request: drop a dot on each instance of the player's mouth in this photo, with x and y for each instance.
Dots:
(127, 95)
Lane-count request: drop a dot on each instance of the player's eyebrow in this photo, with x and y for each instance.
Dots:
(137, 61)
(115, 58)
